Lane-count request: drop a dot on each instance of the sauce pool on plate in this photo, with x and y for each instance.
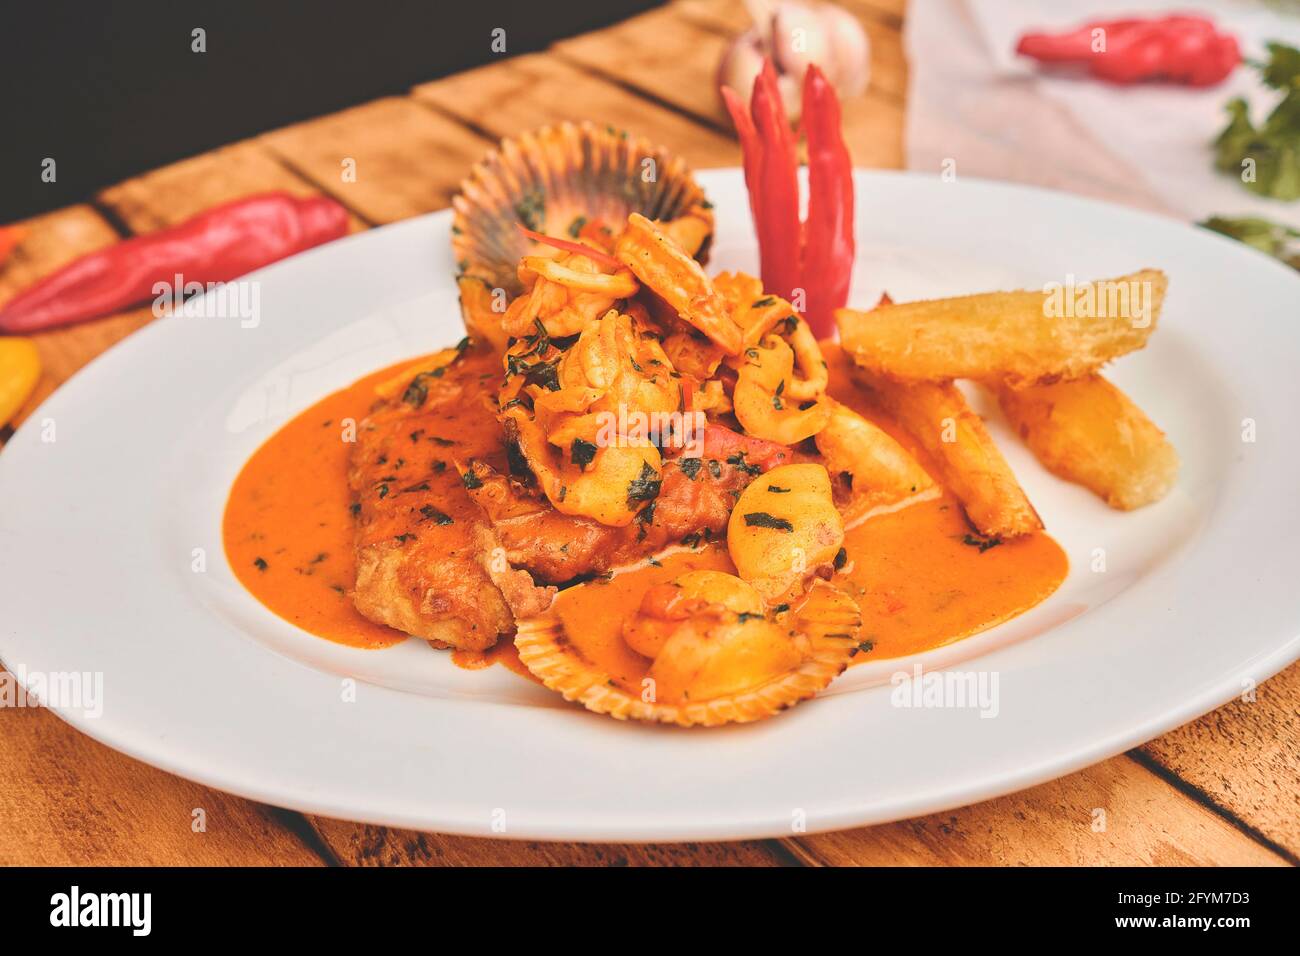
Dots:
(921, 578)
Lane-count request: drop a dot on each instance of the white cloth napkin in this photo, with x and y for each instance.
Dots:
(975, 103)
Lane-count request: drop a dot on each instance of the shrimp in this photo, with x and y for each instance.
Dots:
(565, 294)
(663, 266)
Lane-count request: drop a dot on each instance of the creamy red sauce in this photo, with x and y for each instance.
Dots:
(288, 527)
(919, 579)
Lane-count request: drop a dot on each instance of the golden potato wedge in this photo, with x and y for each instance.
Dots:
(970, 465)
(1089, 432)
(1020, 338)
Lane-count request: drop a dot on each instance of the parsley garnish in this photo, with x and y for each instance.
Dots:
(761, 519)
(437, 517)
(582, 452)
(982, 543)
(645, 487)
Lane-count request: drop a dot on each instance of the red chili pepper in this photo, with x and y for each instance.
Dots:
(1183, 49)
(816, 256)
(219, 245)
(828, 234)
(751, 151)
(779, 230)
(595, 255)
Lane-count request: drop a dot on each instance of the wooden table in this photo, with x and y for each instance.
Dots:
(1222, 790)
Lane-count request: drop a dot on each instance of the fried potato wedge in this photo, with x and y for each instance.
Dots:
(970, 464)
(1020, 338)
(1089, 432)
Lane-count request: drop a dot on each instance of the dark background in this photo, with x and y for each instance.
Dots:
(110, 88)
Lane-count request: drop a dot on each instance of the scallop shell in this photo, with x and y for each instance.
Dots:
(828, 616)
(548, 179)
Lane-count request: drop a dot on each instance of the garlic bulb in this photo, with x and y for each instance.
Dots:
(795, 33)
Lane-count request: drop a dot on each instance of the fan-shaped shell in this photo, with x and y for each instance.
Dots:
(828, 617)
(554, 179)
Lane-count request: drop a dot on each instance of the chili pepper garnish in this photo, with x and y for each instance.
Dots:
(829, 246)
(751, 150)
(779, 231)
(817, 256)
(10, 237)
(595, 255)
(1182, 49)
(218, 245)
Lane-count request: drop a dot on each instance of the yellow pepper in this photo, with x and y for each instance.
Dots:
(20, 368)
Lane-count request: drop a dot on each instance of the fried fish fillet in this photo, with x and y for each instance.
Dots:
(428, 561)
(695, 499)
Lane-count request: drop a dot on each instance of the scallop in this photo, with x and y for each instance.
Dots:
(564, 181)
(714, 665)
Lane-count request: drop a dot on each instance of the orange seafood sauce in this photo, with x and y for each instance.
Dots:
(918, 580)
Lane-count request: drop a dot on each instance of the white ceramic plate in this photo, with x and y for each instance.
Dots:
(1198, 596)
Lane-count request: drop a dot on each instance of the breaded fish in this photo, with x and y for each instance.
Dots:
(428, 561)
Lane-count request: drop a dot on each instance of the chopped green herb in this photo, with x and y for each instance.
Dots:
(690, 466)
(778, 490)
(437, 517)
(761, 519)
(471, 480)
(582, 452)
(260, 564)
(982, 543)
(645, 487)
(738, 461)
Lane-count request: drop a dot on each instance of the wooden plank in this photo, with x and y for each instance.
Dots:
(174, 193)
(407, 159)
(1147, 823)
(357, 844)
(523, 93)
(668, 55)
(67, 800)
(1245, 758)
(663, 54)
